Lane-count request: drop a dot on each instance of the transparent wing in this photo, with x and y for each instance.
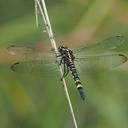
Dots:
(107, 44)
(101, 60)
(38, 67)
(28, 53)
(33, 61)
(14, 50)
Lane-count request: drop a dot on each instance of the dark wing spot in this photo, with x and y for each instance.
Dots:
(13, 67)
(11, 46)
(125, 58)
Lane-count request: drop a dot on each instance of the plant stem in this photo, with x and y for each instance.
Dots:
(40, 4)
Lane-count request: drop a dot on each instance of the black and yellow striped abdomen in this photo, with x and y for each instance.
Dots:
(77, 79)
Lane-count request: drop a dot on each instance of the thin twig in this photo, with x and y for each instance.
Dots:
(36, 14)
(43, 10)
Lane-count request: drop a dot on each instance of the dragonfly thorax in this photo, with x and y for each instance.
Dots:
(66, 52)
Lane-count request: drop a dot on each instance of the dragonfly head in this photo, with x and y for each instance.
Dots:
(62, 48)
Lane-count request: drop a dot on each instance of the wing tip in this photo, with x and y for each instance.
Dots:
(11, 46)
(13, 67)
(125, 58)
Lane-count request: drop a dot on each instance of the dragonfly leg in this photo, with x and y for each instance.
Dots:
(67, 71)
(61, 61)
(59, 55)
(64, 72)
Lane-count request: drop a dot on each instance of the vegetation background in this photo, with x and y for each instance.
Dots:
(29, 101)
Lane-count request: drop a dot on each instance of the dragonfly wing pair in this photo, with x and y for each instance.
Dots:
(33, 61)
(102, 54)
(99, 54)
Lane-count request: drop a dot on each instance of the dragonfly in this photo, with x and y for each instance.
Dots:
(72, 61)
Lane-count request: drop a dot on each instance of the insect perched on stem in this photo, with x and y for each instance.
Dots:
(101, 54)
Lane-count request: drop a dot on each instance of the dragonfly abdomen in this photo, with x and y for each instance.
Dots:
(77, 80)
(68, 61)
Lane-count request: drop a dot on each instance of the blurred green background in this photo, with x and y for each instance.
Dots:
(28, 101)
